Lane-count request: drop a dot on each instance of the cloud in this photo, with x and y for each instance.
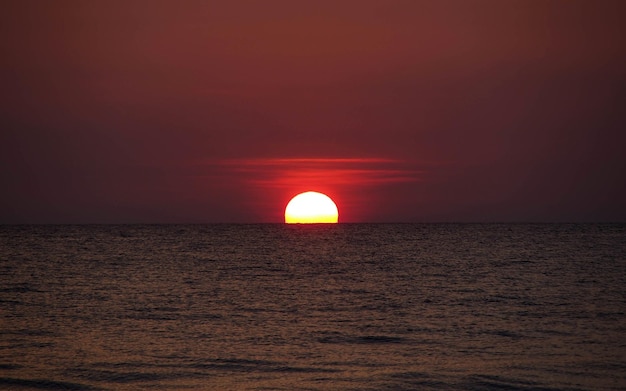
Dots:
(288, 173)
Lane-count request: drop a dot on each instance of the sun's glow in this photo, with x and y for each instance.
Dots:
(311, 207)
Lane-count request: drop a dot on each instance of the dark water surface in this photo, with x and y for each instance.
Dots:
(317, 307)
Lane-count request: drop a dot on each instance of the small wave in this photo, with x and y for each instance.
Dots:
(367, 339)
(128, 377)
(10, 366)
(489, 383)
(22, 288)
(29, 333)
(505, 333)
(42, 384)
(123, 373)
(237, 365)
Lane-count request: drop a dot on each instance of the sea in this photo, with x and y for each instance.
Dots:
(313, 307)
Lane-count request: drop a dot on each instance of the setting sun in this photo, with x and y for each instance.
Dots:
(311, 207)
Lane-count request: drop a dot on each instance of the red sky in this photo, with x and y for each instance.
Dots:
(220, 111)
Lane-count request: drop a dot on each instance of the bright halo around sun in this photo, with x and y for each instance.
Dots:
(311, 207)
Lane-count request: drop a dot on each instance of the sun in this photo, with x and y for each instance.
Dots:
(311, 207)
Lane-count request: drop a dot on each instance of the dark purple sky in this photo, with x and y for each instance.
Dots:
(220, 111)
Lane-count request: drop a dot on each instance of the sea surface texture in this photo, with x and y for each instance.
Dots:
(313, 307)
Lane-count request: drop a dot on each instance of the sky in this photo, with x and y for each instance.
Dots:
(151, 111)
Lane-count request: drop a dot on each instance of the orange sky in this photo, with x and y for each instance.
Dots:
(220, 111)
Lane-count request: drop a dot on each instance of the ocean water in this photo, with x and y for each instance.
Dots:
(313, 307)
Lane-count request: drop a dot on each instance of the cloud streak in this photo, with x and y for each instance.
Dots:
(288, 173)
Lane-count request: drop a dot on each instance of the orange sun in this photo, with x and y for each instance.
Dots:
(311, 207)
